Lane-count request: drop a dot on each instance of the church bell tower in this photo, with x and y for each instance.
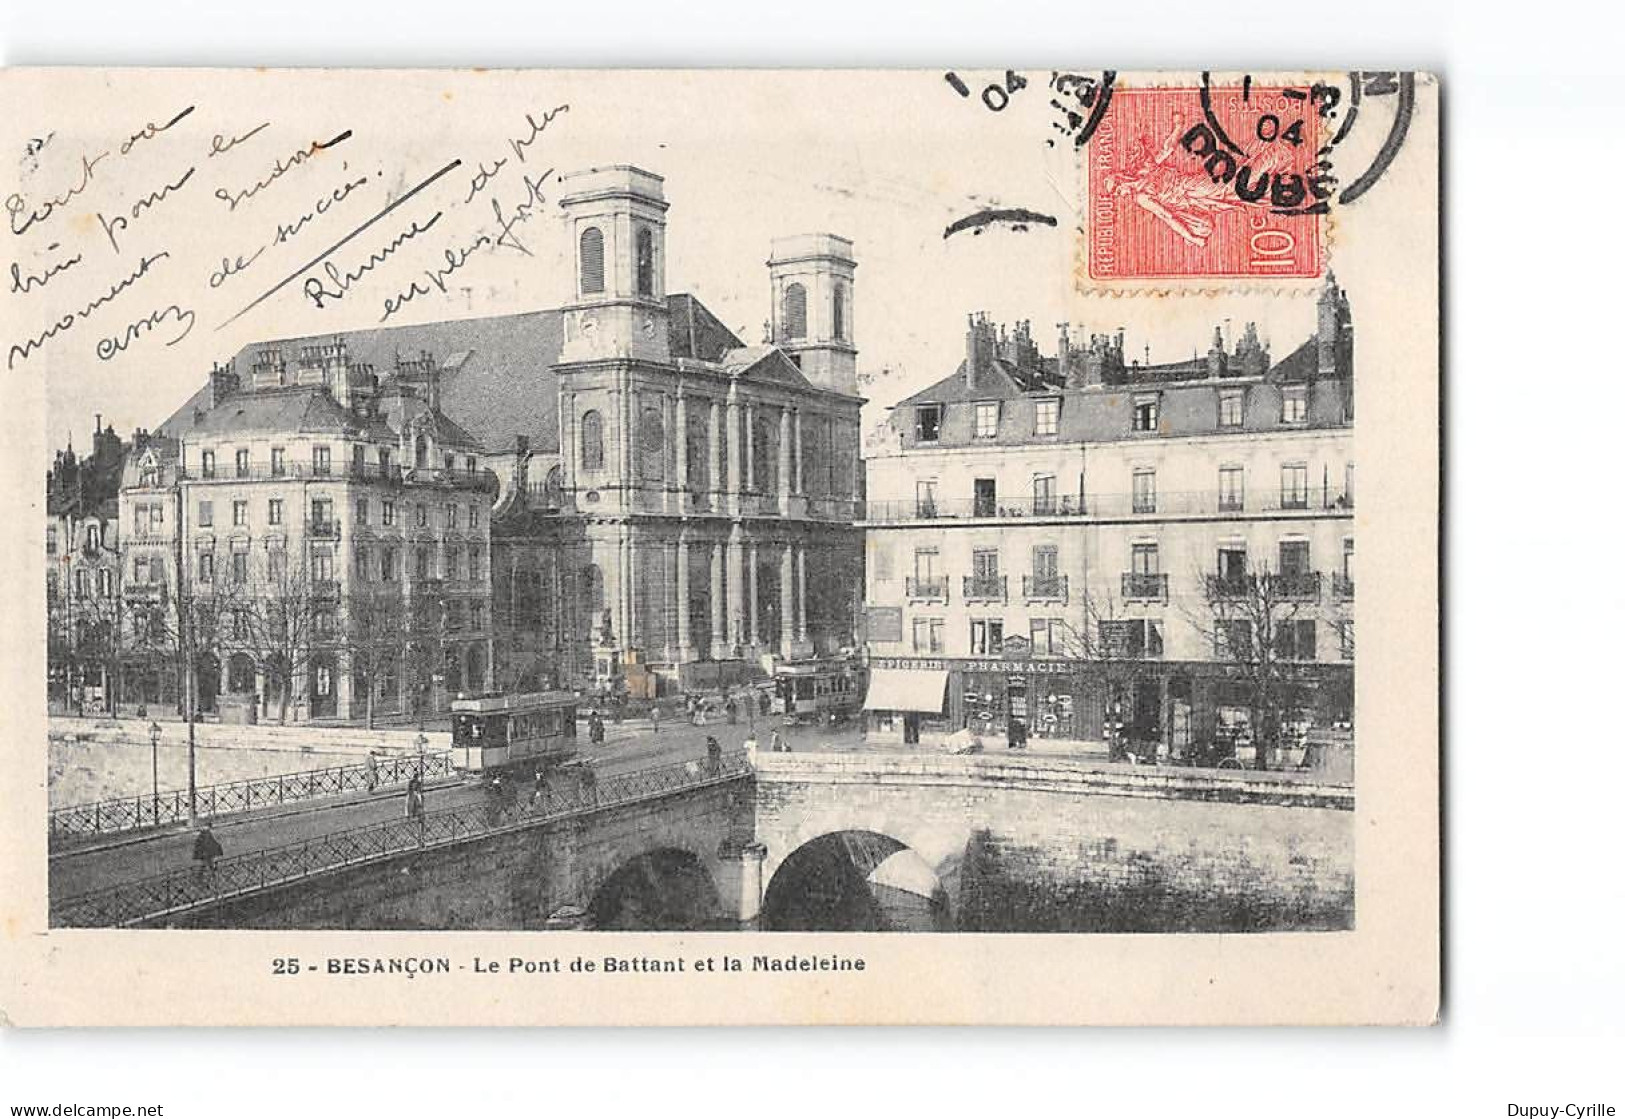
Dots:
(812, 308)
(617, 222)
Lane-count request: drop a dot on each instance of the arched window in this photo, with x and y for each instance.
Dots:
(420, 454)
(699, 451)
(646, 262)
(553, 488)
(652, 445)
(592, 260)
(592, 441)
(795, 311)
(840, 312)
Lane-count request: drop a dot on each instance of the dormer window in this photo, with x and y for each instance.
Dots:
(1294, 404)
(927, 423)
(592, 260)
(1047, 416)
(987, 419)
(1231, 407)
(1145, 412)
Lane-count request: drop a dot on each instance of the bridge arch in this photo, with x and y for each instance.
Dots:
(857, 880)
(662, 888)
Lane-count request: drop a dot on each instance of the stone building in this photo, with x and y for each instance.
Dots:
(82, 572)
(685, 514)
(1082, 541)
(331, 533)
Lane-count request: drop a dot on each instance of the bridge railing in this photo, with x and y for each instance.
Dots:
(170, 806)
(238, 875)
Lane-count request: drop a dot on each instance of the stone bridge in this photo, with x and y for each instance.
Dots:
(873, 841)
(1002, 842)
(681, 860)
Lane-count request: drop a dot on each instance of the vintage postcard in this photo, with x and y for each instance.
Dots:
(708, 547)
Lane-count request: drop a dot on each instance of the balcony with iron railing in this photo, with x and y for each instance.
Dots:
(1145, 586)
(1044, 587)
(323, 529)
(1285, 586)
(985, 588)
(1164, 503)
(926, 588)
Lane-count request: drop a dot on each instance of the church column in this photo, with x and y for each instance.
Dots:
(568, 449)
(681, 435)
(625, 589)
(714, 449)
(736, 464)
(801, 476)
(754, 625)
(748, 438)
(685, 650)
(784, 460)
(801, 592)
(719, 617)
(624, 444)
(737, 624)
(787, 587)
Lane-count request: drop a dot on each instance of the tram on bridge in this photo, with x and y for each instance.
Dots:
(825, 691)
(488, 732)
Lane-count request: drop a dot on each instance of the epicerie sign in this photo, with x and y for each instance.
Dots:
(1053, 668)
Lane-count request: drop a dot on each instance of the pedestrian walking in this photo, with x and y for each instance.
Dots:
(751, 744)
(713, 755)
(539, 792)
(700, 703)
(654, 718)
(732, 708)
(595, 729)
(414, 797)
(372, 771)
(776, 743)
(205, 850)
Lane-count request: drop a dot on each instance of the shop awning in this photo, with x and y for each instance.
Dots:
(897, 689)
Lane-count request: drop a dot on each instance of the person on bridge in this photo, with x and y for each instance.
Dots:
(595, 728)
(414, 797)
(732, 709)
(539, 792)
(205, 850)
(713, 754)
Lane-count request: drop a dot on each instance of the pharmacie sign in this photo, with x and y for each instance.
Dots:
(1025, 667)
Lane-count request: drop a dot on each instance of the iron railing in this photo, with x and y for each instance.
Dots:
(1158, 503)
(170, 806)
(1145, 585)
(240, 875)
(985, 588)
(927, 587)
(1343, 586)
(1044, 586)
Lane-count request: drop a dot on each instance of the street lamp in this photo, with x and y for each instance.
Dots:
(155, 731)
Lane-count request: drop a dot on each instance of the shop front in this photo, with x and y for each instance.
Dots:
(905, 701)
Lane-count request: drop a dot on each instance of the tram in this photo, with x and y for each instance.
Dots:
(818, 691)
(491, 731)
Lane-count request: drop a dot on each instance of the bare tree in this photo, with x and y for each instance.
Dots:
(280, 619)
(374, 630)
(1103, 632)
(1255, 618)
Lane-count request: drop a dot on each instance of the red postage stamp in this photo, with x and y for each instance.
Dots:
(1221, 186)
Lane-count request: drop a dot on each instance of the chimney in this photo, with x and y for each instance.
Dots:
(1252, 357)
(432, 380)
(979, 351)
(1334, 334)
(1217, 360)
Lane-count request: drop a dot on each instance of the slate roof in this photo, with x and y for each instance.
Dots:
(496, 373)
